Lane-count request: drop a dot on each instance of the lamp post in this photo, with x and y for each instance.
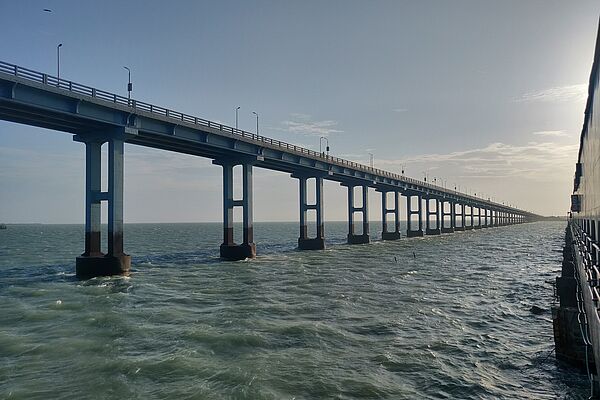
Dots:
(129, 85)
(326, 147)
(403, 169)
(58, 62)
(236, 116)
(255, 113)
(371, 159)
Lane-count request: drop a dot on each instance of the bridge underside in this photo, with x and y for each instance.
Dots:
(95, 117)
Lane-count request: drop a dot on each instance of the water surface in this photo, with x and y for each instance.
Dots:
(444, 317)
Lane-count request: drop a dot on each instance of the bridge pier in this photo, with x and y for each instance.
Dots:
(410, 212)
(485, 218)
(428, 212)
(304, 242)
(353, 238)
(229, 250)
(385, 234)
(479, 225)
(451, 213)
(470, 225)
(93, 262)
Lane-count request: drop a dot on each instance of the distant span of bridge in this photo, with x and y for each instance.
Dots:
(96, 117)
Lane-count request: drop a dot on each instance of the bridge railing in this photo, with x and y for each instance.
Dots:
(98, 94)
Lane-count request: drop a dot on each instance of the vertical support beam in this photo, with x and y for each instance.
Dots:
(92, 262)
(248, 212)
(229, 250)
(353, 238)
(365, 210)
(304, 242)
(462, 216)
(303, 210)
(93, 176)
(115, 197)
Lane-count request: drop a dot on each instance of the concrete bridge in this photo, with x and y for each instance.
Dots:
(96, 117)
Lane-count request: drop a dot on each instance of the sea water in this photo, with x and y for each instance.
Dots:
(439, 317)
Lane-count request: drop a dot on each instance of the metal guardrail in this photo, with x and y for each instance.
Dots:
(589, 252)
(73, 87)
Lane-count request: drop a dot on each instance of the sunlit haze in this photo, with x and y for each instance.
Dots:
(487, 96)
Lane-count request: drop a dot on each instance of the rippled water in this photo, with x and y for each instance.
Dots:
(434, 317)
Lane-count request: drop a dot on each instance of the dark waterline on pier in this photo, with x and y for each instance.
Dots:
(438, 317)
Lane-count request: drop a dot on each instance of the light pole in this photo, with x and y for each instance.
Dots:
(425, 176)
(58, 62)
(371, 159)
(255, 113)
(129, 85)
(326, 147)
(403, 169)
(236, 117)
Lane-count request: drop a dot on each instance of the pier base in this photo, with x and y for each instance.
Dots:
(358, 239)
(311, 244)
(433, 231)
(236, 252)
(418, 233)
(459, 228)
(390, 235)
(468, 228)
(447, 230)
(87, 267)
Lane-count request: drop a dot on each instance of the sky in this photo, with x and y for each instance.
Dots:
(485, 95)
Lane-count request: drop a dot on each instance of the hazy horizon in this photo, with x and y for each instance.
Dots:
(482, 95)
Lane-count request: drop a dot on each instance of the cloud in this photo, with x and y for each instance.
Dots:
(540, 161)
(400, 110)
(302, 124)
(556, 94)
(550, 133)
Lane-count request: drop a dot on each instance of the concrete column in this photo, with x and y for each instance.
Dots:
(92, 262)
(427, 214)
(385, 234)
(248, 200)
(229, 250)
(115, 196)
(93, 175)
(450, 213)
(353, 238)
(462, 215)
(304, 242)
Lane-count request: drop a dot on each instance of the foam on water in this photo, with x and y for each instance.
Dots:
(366, 321)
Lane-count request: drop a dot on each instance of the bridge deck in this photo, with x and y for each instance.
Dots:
(39, 99)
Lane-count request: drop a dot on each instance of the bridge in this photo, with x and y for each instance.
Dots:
(96, 117)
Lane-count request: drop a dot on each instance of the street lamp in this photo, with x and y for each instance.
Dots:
(403, 169)
(371, 160)
(129, 85)
(58, 62)
(327, 145)
(425, 176)
(236, 117)
(255, 113)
